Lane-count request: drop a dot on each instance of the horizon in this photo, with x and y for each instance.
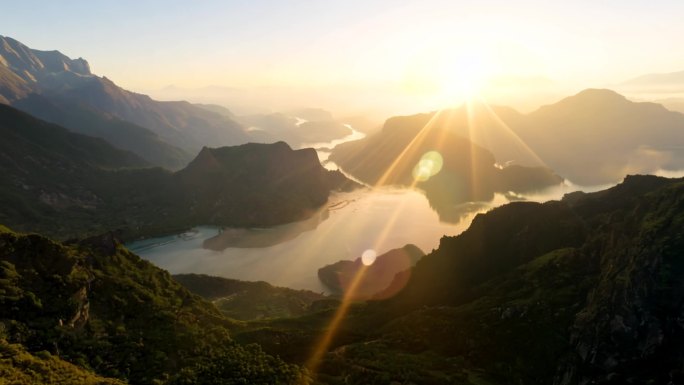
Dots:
(522, 55)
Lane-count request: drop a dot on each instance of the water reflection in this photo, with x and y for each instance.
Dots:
(254, 238)
(353, 225)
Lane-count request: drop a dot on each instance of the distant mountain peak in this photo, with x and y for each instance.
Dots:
(589, 99)
(599, 93)
(32, 64)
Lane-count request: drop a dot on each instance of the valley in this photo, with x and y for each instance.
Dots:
(319, 193)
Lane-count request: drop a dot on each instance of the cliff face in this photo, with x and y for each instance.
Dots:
(630, 329)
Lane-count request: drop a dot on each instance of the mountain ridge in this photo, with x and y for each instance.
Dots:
(66, 184)
(56, 77)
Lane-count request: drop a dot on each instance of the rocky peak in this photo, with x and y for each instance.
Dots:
(32, 65)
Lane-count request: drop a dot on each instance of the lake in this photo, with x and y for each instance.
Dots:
(349, 224)
(290, 255)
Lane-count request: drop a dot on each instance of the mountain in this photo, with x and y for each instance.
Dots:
(256, 185)
(67, 184)
(91, 308)
(592, 138)
(60, 80)
(83, 119)
(434, 153)
(46, 170)
(598, 136)
(585, 290)
(25, 136)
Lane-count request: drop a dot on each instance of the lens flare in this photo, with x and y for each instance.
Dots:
(429, 165)
(368, 257)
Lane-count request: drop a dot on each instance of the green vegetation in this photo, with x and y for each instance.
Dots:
(243, 300)
(586, 290)
(69, 185)
(18, 367)
(99, 307)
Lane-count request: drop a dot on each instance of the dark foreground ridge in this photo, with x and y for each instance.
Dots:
(585, 290)
(91, 309)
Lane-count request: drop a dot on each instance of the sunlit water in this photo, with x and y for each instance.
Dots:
(357, 221)
(351, 223)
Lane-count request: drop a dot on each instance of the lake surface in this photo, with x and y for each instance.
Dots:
(290, 255)
(351, 223)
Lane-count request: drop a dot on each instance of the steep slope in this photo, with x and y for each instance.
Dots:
(24, 135)
(47, 171)
(180, 123)
(98, 306)
(66, 184)
(87, 120)
(579, 291)
(61, 79)
(590, 282)
(257, 184)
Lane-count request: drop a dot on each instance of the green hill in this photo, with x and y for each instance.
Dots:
(584, 290)
(97, 306)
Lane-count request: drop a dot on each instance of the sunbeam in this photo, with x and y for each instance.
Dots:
(509, 131)
(404, 156)
(325, 341)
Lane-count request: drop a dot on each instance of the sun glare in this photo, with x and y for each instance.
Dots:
(368, 257)
(453, 74)
(463, 75)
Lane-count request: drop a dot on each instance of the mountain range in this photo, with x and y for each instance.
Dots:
(595, 137)
(55, 88)
(67, 184)
(54, 75)
(457, 170)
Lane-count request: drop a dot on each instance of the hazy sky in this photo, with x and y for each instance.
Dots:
(416, 45)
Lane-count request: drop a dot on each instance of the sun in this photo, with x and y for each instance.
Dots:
(452, 74)
(463, 75)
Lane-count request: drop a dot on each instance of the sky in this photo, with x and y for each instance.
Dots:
(418, 47)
